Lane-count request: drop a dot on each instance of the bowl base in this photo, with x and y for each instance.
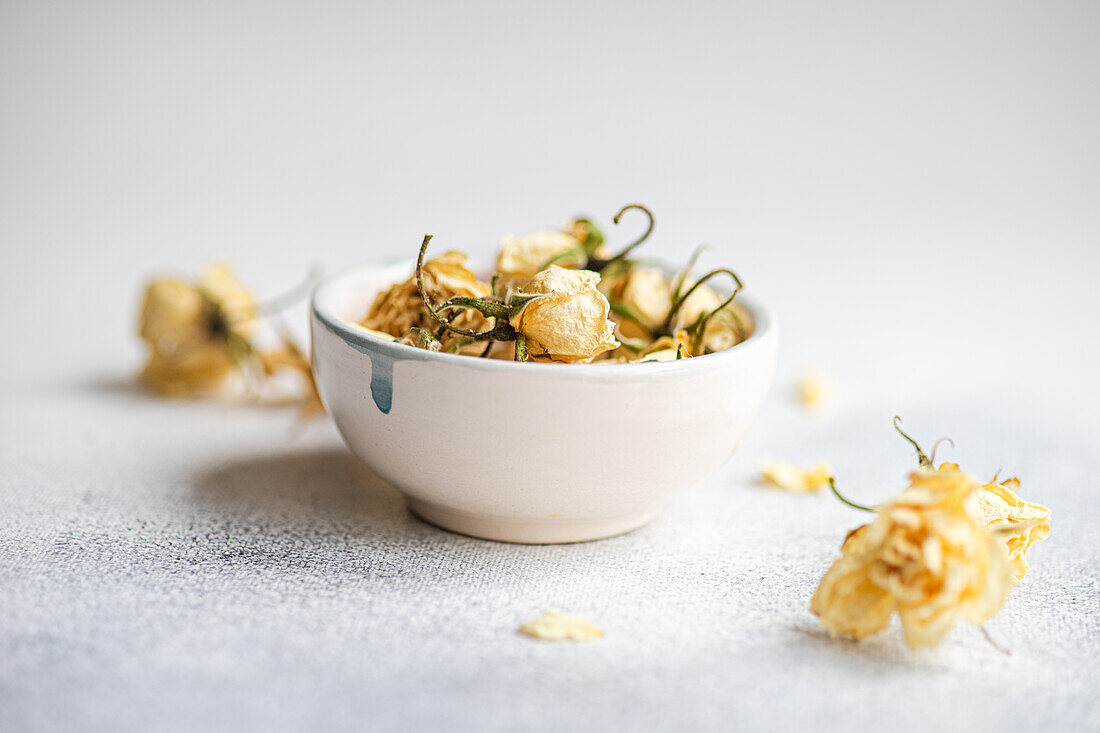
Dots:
(548, 531)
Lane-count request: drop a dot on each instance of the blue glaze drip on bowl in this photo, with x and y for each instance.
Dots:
(381, 380)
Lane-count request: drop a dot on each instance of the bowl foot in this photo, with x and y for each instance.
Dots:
(551, 530)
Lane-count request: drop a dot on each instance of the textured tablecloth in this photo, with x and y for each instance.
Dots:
(914, 193)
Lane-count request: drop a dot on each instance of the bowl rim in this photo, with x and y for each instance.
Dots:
(323, 310)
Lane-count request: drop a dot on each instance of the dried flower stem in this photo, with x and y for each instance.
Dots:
(597, 264)
(501, 331)
(678, 303)
(936, 447)
(687, 270)
(993, 642)
(836, 492)
(924, 460)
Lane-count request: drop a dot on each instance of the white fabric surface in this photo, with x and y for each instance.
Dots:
(913, 191)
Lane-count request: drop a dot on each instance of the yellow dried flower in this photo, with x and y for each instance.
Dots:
(1019, 524)
(521, 257)
(924, 556)
(554, 626)
(569, 323)
(797, 480)
(196, 333)
(400, 309)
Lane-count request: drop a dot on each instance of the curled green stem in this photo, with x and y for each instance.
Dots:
(925, 462)
(936, 447)
(678, 303)
(432, 309)
(487, 308)
(687, 270)
(597, 264)
(578, 252)
(836, 492)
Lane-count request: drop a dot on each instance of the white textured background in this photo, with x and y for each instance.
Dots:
(915, 189)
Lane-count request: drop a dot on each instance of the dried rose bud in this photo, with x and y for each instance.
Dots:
(569, 322)
(521, 257)
(196, 333)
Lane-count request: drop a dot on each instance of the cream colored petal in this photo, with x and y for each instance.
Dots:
(703, 300)
(560, 281)
(792, 478)
(197, 370)
(648, 294)
(554, 626)
(849, 604)
(172, 313)
(522, 257)
(813, 391)
(925, 629)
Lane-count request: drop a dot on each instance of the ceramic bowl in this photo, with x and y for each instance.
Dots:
(530, 452)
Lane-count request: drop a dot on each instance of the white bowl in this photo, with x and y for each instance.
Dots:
(530, 452)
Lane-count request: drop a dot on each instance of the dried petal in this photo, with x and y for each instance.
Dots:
(1018, 524)
(554, 626)
(521, 257)
(792, 478)
(813, 391)
(647, 293)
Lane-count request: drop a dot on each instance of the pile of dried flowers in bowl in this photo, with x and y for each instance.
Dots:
(562, 296)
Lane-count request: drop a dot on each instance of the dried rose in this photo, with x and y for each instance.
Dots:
(924, 556)
(1017, 523)
(567, 322)
(521, 257)
(197, 333)
(579, 246)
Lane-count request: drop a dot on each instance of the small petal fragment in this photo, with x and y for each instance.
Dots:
(813, 391)
(792, 478)
(554, 626)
